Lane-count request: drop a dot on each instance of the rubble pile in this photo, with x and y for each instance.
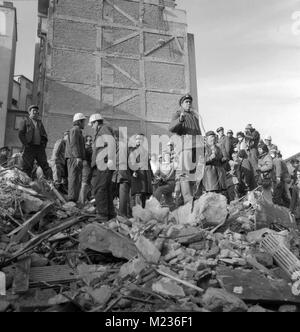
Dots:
(205, 256)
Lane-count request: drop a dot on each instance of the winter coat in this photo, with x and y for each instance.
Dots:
(188, 126)
(265, 166)
(26, 132)
(141, 179)
(242, 145)
(214, 178)
(253, 139)
(281, 171)
(122, 173)
(224, 145)
(295, 202)
(58, 153)
(100, 143)
(246, 174)
(75, 146)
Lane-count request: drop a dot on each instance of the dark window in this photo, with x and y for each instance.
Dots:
(14, 102)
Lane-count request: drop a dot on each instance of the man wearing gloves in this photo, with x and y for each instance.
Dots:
(75, 155)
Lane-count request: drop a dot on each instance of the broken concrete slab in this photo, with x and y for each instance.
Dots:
(209, 210)
(148, 250)
(267, 214)
(257, 308)
(31, 204)
(168, 287)
(104, 240)
(133, 268)
(256, 287)
(219, 300)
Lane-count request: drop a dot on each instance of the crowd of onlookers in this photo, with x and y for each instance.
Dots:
(81, 167)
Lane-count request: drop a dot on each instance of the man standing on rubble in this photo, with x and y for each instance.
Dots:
(282, 181)
(34, 138)
(252, 138)
(185, 123)
(75, 155)
(265, 171)
(224, 145)
(103, 166)
(58, 161)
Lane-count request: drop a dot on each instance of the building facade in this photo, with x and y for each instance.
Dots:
(130, 60)
(8, 40)
(21, 100)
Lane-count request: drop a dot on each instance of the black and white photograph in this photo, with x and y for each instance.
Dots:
(149, 158)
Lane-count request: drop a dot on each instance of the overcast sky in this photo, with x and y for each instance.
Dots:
(248, 63)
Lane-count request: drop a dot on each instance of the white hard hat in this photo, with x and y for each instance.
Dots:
(79, 117)
(268, 138)
(95, 117)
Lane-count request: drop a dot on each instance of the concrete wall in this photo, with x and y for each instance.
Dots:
(7, 63)
(126, 59)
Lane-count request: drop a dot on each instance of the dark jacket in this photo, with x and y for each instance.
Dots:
(214, 178)
(122, 174)
(75, 146)
(58, 153)
(253, 139)
(280, 169)
(295, 202)
(101, 143)
(224, 145)
(188, 126)
(142, 183)
(26, 132)
(246, 174)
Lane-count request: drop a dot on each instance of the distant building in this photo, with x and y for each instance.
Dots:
(8, 40)
(21, 100)
(129, 60)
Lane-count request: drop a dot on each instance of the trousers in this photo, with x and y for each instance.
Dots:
(102, 188)
(74, 179)
(36, 153)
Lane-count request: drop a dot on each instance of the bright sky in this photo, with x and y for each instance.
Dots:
(248, 63)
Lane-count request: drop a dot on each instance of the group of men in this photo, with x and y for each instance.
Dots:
(82, 166)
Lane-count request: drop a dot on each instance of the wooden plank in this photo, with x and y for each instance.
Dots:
(27, 226)
(123, 72)
(30, 245)
(21, 279)
(122, 40)
(157, 47)
(122, 12)
(256, 287)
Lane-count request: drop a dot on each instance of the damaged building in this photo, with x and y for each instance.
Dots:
(129, 60)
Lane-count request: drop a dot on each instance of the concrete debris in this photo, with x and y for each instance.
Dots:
(205, 256)
(219, 300)
(148, 250)
(167, 287)
(209, 210)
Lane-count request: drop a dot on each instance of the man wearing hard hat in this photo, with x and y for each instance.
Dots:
(75, 154)
(103, 166)
(34, 138)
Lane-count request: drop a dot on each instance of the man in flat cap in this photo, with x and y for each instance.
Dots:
(232, 141)
(34, 138)
(185, 123)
